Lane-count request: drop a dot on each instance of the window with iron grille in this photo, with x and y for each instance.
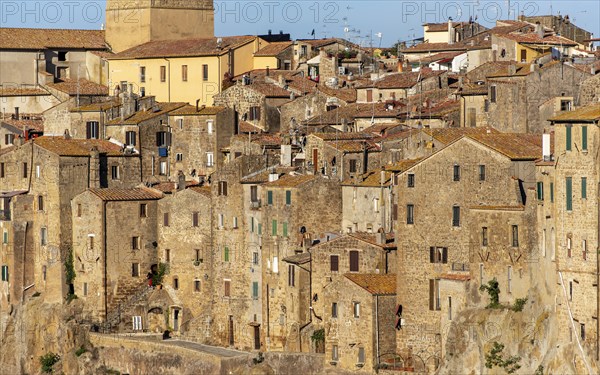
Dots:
(410, 214)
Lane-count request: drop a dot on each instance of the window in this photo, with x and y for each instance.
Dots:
(255, 258)
(79, 210)
(130, 138)
(493, 94)
(270, 198)
(569, 129)
(142, 74)
(288, 197)
(361, 355)
(5, 237)
(515, 236)
(484, 236)
(85, 289)
(334, 351)
(376, 205)
(565, 105)
(143, 210)
(449, 308)
(184, 73)
(259, 229)
(9, 139)
(274, 228)
(411, 180)
(255, 290)
(92, 130)
(482, 173)
(434, 294)
(2, 171)
(552, 192)
(226, 254)
(254, 114)
(569, 193)
(175, 283)
(135, 269)
(210, 159)
(456, 216)
(456, 174)
(540, 191)
(438, 255)
(471, 117)
(334, 310)
(480, 274)
(43, 236)
(205, 72)
(235, 222)
(114, 172)
(38, 171)
(223, 188)
(291, 275)
(276, 264)
(209, 126)
(584, 249)
(197, 255)
(334, 263)
(25, 169)
(583, 187)
(166, 219)
(91, 240)
(509, 278)
(353, 166)
(167, 255)
(195, 219)
(40, 203)
(356, 309)
(227, 288)
(135, 243)
(163, 139)
(4, 273)
(584, 143)
(570, 290)
(582, 326)
(221, 221)
(254, 193)
(197, 285)
(285, 229)
(163, 73)
(354, 261)
(410, 214)
(569, 245)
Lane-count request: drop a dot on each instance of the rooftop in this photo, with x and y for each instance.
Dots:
(273, 49)
(379, 285)
(371, 238)
(289, 181)
(514, 146)
(39, 39)
(449, 135)
(404, 80)
(72, 87)
(590, 113)
(190, 110)
(183, 48)
(141, 116)
(134, 194)
(77, 147)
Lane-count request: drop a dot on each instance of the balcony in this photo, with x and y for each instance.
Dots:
(255, 205)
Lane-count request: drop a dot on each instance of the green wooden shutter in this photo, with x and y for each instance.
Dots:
(285, 230)
(226, 255)
(4, 273)
(255, 289)
(552, 192)
(584, 137)
(288, 197)
(274, 228)
(569, 193)
(269, 197)
(569, 130)
(259, 229)
(583, 187)
(540, 191)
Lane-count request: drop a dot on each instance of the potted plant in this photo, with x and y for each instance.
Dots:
(158, 274)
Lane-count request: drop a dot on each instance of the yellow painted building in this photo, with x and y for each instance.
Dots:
(183, 70)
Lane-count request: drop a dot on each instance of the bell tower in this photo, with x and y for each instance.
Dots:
(133, 22)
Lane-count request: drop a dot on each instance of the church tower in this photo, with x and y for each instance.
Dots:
(133, 22)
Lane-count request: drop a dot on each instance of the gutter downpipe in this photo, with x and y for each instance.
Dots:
(377, 329)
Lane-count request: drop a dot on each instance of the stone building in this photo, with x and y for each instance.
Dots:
(474, 105)
(590, 90)
(296, 209)
(476, 230)
(277, 55)
(568, 213)
(517, 94)
(53, 170)
(20, 127)
(185, 244)
(198, 135)
(561, 25)
(359, 323)
(255, 103)
(114, 246)
(402, 85)
(130, 23)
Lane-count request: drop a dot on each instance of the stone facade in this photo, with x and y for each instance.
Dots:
(590, 90)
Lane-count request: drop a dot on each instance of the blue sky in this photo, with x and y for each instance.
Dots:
(359, 21)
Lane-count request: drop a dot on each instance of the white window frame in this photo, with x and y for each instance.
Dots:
(210, 126)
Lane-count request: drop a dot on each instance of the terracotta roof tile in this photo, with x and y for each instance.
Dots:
(449, 135)
(534, 38)
(471, 89)
(302, 258)
(134, 194)
(183, 48)
(376, 284)
(39, 39)
(35, 122)
(98, 107)
(402, 165)
(204, 190)
(353, 111)
(269, 90)
(273, 49)
(246, 127)
(263, 176)
(168, 187)
(81, 86)
(289, 181)
(588, 113)
(498, 208)
(77, 147)
(514, 146)
(141, 116)
(22, 91)
(190, 110)
(353, 146)
(344, 136)
(455, 277)
(371, 238)
(405, 80)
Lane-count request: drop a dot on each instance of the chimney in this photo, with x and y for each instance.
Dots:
(180, 181)
(94, 168)
(130, 90)
(273, 176)
(380, 238)
(400, 66)
(281, 80)
(66, 135)
(16, 113)
(198, 105)
(533, 67)
(546, 147)
(539, 29)
(286, 155)
(450, 31)
(512, 69)
(267, 71)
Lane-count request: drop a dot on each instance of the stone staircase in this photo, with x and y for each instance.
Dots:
(121, 308)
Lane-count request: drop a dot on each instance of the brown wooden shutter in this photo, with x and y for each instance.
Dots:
(395, 212)
(354, 261)
(225, 188)
(195, 219)
(166, 219)
(227, 288)
(431, 293)
(335, 263)
(445, 255)
(432, 254)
